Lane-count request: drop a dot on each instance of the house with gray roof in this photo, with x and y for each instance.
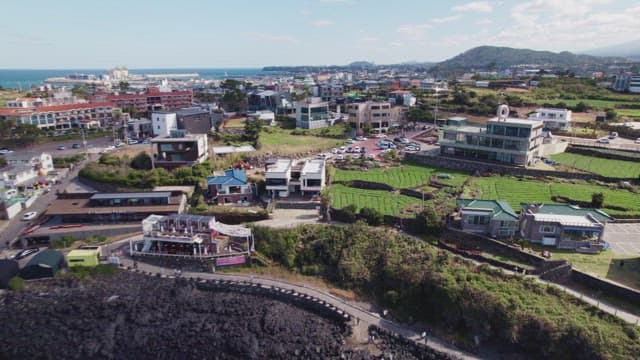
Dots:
(494, 218)
(564, 226)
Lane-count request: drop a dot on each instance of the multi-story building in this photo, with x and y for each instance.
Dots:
(194, 120)
(28, 102)
(512, 141)
(263, 100)
(312, 176)
(278, 176)
(553, 119)
(229, 187)
(57, 117)
(402, 98)
(145, 103)
(380, 116)
(328, 92)
(179, 149)
(312, 113)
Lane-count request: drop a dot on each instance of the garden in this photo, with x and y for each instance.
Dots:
(386, 202)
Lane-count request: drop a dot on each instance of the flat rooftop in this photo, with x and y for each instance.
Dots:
(280, 166)
(568, 220)
(516, 121)
(136, 195)
(187, 137)
(313, 167)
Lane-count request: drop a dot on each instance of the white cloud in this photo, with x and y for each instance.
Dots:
(484, 22)
(414, 32)
(321, 23)
(274, 38)
(445, 19)
(305, 12)
(369, 39)
(477, 6)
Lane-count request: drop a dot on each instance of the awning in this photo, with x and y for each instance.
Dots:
(232, 230)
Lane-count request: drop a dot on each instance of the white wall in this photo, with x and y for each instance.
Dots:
(163, 123)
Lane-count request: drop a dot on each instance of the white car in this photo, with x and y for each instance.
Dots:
(604, 141)
(339, 157)
(361, 138)
(29, 216)
(381, 136)
(637, 141)
(132, 141)
(334, 151)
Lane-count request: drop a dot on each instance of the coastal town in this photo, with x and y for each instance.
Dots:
(483, 206)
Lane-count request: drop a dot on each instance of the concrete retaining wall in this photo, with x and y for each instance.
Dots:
(606, 286)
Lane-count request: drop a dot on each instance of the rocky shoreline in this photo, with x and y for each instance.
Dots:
(135, 316)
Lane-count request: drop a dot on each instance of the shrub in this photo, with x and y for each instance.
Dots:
(16, 283)
(597, 200)
(372, 216)
(142, 161)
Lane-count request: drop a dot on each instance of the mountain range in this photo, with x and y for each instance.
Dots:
(494, 57)
(629, 49)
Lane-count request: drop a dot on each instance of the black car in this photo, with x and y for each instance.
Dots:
(76, 146)
(24, 253)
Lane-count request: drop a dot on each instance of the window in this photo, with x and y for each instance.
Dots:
(477, 220)
(506, 224)
(547, 229)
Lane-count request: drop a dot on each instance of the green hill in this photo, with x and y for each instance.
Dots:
(493, 57)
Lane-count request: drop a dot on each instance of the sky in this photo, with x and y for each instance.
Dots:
(73, 34)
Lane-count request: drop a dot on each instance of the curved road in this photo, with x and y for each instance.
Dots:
(364, 316)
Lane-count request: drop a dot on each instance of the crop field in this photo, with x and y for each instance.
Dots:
(516, 191)
(388, 203)
(405, 176)
(601, 166)
(279, 141)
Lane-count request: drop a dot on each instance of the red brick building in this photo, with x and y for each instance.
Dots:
(152, 100)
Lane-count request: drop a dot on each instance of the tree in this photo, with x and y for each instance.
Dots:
(142, 161)
(581, 107)
(597, 200)
(372, 216)
(325, 203)
(79, 91)
(252, 130)
(123, 85)
(610, 114)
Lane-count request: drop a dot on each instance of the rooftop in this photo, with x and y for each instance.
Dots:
(137, 195)
(315, 166)
(567, 209)
(191, 111)
(231, 177)
(516, 121)
(500, 209)
(568, 220)
(280, 166)
(233, 149)
(186, 137)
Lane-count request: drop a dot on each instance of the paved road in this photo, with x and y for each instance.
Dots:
(361, 314)
(617, 143)
(15, 225)
(623, 238)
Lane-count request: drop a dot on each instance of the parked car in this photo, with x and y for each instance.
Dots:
(361, 138)
(637, 141)
(146, 141)
(356, 149)
(25, 252)
(613, 135)
(604, 141)
(339, 157)
(334, 151)
(132, 141)
(363, 149)
(5, 151)
(380, 136)
(75, 146)
(119, 145)
(29, 216)
(350, 141)
(61, 147)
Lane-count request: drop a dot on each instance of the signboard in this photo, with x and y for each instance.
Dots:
(231, 260)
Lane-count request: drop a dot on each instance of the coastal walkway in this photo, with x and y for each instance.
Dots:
(360, 315)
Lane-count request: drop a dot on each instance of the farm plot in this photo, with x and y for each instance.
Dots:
(405, 176)
(516, 191)
(388, 203)
(600, 166)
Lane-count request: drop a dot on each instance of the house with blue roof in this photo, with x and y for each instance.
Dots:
(229, 187)
(494, 218)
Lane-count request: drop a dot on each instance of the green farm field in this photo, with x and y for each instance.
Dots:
(516, 191)
(600, 166)
(405, 176)
(280, 141)
(388, 203)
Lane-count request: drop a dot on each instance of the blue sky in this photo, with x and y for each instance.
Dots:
(246, 33)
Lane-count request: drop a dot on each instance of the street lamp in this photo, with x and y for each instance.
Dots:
(435, 110)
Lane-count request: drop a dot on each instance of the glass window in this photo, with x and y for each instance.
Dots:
(547, 229)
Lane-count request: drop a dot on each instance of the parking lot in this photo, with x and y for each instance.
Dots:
(623, 238)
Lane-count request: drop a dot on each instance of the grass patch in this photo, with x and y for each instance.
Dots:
(280, 141)
(405, 176)
(388, 203)
(516, 191)
(235, 123)
(600, 166)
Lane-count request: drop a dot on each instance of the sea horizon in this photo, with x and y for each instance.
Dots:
(26, 78)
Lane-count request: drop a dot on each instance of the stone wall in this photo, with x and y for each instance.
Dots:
(605, 286)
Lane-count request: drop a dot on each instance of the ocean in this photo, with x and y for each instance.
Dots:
(25, 79)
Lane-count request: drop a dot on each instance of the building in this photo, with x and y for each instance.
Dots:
(229, 187)
(624, 83)
(144, 103)
(44, 264)
(115, 207)
(553, 119)
(196, 236)
(487, 217)
(194, 120)
(268, 117)
(312, 113)
(563, 226)
(57, 117)
(328, 91)
(140, 128)
(504, 140)
(278, 176)
(402, 98)
(379, 116)
(25, 103)
(312, 176)
(162, 122)
(83, 257)
(179, 149)
(24, 168)
(263, 100)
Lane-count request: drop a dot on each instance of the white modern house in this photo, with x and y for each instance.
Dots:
(312, 113)
(553, 119)
(277, 176)
(163, 122)
(312, 176)
(24, 167)
(268, 117)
